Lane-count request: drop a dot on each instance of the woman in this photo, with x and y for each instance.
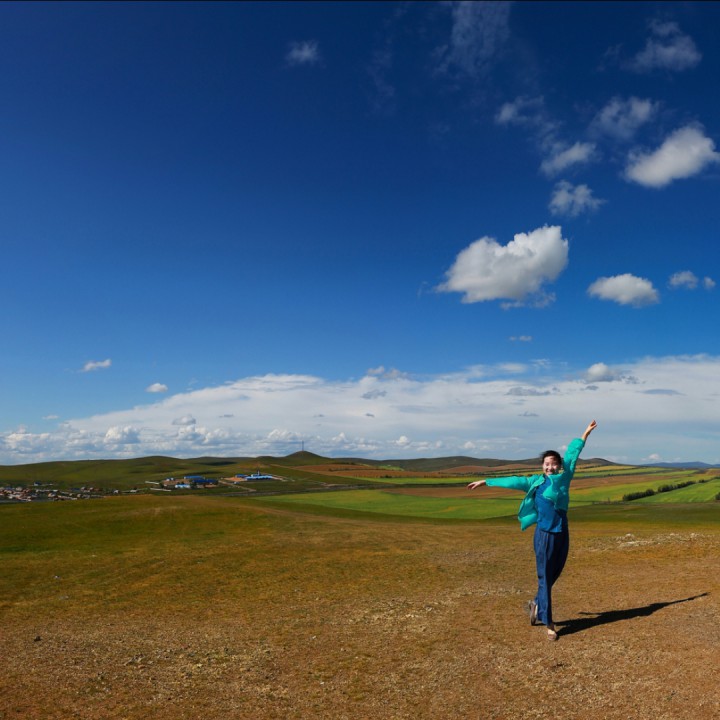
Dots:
(546, 502)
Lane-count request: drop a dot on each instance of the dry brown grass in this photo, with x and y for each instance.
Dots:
(285, 616)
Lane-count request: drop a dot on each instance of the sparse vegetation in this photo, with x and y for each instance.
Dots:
(637, 495)
(159, 608)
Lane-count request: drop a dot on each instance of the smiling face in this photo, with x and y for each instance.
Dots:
(551, 463)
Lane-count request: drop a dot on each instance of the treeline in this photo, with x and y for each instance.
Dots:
(662, 489)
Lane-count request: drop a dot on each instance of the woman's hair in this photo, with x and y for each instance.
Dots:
(551, 453)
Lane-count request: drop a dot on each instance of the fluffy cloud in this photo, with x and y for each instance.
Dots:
(683, 154)
(303, 53)
(652, 405)
(572, 200)
(684, 279)
(517, 271)
(126, 435)
(92, 365)
(620, 119)
(478, 32)
(563, 157)
(156, 388)
(689, 281)
(668, 48)
(602, 373)
(625, 289)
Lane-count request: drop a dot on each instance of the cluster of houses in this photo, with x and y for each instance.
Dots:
(37, 491)
(185, 483)
(198, 481)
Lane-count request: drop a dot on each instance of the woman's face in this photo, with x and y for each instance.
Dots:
(551, 465)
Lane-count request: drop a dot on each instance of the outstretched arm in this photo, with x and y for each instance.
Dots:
(476, 484)
(588, 430)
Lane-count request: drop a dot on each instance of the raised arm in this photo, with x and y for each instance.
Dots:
(588, 430)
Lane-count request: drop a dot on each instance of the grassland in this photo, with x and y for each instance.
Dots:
(136, 474)
(398, 603)
(194, 606)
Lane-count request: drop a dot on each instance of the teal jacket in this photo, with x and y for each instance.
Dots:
(558, 492)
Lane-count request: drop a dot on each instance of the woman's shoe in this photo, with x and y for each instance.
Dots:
(532, 612)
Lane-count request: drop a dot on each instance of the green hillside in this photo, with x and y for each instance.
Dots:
(295, 473)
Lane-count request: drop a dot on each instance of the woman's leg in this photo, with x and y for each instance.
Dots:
(541, 543)
(560, 551)
(551, 551)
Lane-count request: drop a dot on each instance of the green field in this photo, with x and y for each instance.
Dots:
(380, 502)
(698, 493)
(455, 504)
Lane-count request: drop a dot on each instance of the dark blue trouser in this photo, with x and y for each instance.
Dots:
(551, 551)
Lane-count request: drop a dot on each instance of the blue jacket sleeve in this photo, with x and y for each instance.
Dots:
(559, 491)
(572, 454)
(515, 482)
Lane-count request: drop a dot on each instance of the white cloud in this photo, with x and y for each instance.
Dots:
(689, 281)
(600, 372)
(126, 435)
(478, 32)
(620, 119)
(684, 153)
(563, 157)
(531, 114)
(668, 48)
(666, 405)
(572, 200)
(486, 270)
(92, 365)
(156, 388)
(303, 53)
(625, 289)
(521, 338)
(526, 112)
(184, 421)
(684, 279)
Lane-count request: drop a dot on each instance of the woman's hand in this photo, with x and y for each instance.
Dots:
(589, 429)
(476, 484)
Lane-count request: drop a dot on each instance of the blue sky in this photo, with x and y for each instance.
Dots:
(373, 229)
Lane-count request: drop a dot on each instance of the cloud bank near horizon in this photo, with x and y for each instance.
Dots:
(653, 408)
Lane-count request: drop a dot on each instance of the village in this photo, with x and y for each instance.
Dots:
(194, 482)
(41, 492)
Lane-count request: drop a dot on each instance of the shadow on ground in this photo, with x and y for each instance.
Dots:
(591, 620)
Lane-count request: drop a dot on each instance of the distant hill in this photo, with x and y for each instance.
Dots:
(302, 468)
(454, 461)
(684, 465)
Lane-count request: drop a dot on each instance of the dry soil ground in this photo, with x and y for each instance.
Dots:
(309, 617)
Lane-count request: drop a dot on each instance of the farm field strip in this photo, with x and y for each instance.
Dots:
(399, 504)
(416, 499)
